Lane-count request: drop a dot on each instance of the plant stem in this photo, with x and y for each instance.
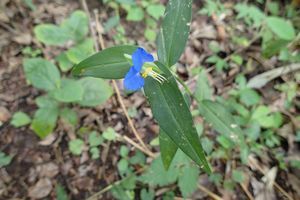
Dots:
(187, 89)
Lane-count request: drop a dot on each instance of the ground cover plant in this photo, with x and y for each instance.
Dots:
(124, 99)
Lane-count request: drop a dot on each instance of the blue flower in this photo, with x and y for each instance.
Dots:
(133, 79)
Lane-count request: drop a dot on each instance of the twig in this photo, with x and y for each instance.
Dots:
(110, 186)
(220, 27)
(120, 100)
(130, 141)
(85, 7)
(8, 28)
(99, 30)
(209, 193)
(249, 195)
(119, 95)
(127, 116)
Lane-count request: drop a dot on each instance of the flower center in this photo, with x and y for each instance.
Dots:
(150, 72)
(147, 72)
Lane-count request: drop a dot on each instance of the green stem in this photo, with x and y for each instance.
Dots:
(187, 89)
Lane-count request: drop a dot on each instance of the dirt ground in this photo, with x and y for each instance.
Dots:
(38, 166)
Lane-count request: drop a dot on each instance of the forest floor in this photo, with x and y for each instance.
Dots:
(38, 166)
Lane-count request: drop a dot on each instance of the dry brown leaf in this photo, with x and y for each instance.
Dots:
(4, 114)
(83, 183)
(41, 189)
(48, 140)
(264, 190)
(23, 38)
(295, 184)
(48, 170)
(261, 80)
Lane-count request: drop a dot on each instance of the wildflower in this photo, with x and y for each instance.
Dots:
(143, 66)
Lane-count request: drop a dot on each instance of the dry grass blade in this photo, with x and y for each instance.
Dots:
(262, 79)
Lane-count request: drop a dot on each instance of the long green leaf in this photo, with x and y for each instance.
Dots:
(167, 148)
(221, 119)
(172, 113)
(109, 63)
(175, 31)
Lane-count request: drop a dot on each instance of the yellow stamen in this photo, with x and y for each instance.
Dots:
(147, 72)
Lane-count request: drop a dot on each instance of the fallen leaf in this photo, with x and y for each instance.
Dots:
(48, 140)
(24, 38)
(264, 190)
(83, 183)
(41, 189)
(48, 170)
(295, 183)
(4, 114)
(261, 80)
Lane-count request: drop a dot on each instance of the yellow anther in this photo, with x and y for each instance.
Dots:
(147, 72)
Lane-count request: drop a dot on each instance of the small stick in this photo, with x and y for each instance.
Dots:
(118, 91)
(249, 195)
(85, 7)
(120, 100)
(110, 186)
(220, 27)
(130, 141)
(209, 193)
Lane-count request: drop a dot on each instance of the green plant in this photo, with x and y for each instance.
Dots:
(61, 91)
(242, 123)
(182, 171)
(213, 7)
(95, 140)
(219, 62)
(93, 143)
(149, 12)
(4, 159)
(20, 119)
(278, 33)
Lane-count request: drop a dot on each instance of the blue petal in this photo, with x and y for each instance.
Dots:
(133, 80)
(139, 57)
